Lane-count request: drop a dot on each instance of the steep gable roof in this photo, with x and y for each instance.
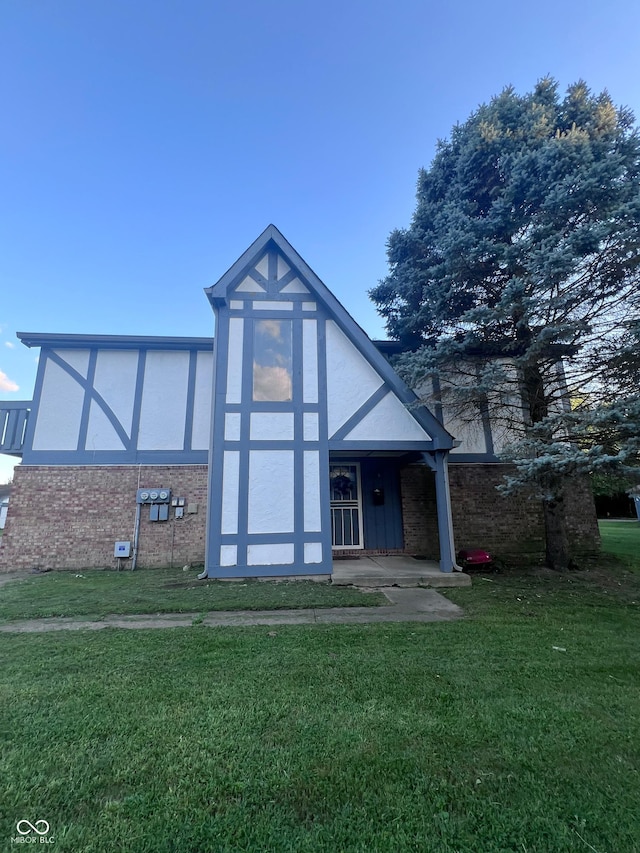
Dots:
(272, 266)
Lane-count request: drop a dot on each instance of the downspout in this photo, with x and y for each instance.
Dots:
(437, 461)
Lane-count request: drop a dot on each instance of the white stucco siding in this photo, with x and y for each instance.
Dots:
(310, 426)
(273, 305)
(283, 267)
(59, 411)
(232, 425)
(115, 381)
(295, 286)
(201, 430)
(76, 358)
(230, 491)
(228, 555)
(312, 497)
(234, 364)
(101, 434)
(389, 420)
(271, 426)
(351, 380)
(270, 555)
(313, 552)
(248, 285)
(310, 361)
(271, 493)
(263, 266)
(164, 401)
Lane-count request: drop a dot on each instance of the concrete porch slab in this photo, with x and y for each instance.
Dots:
(400, 570)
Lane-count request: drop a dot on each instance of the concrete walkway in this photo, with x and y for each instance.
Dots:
(406, 605)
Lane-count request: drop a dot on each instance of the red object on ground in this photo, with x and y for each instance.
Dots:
(475, 557)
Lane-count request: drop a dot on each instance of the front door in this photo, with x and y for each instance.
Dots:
(346, 506)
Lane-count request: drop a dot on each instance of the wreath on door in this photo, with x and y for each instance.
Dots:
(342, 484)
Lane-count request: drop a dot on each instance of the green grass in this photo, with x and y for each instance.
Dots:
(622, 539)
(516, 729)
(93, 594)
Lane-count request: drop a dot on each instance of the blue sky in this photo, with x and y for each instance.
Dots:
(146, 143)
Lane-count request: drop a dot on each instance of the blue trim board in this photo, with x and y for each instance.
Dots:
(272, 266)
(216, 447)
(323, 434)
(474, 459)
(116, 457)
(137, 398)
(245, 443)
(271, 444)
(86, 403)
(260, 406)
(298, 433)
(381, 445)
(292, 569)
(286, 279)
(271, 538)
(5, 405)
(191, 394)
(258, 278)
(58, 341)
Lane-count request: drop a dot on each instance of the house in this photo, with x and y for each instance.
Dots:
(266, 451)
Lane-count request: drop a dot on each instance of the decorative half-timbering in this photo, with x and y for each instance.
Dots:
(297, 385)
(119, 400)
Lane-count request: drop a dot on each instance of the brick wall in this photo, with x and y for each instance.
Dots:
(511, 528)
(507, 527)
(71, 516)
(419, 513)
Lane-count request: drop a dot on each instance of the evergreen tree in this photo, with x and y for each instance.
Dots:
(519, 270)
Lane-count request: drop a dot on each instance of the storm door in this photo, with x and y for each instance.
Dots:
(346, 506)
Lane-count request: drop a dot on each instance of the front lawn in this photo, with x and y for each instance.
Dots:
(622, 538)
(517, 729)
(94, 594)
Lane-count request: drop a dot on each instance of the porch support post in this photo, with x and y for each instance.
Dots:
(438, 462)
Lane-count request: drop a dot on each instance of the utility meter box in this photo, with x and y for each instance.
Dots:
(122, 549)
(153, 496)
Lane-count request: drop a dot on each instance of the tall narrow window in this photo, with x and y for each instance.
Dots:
(272, 370)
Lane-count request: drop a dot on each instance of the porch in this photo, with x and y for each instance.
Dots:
(402, 570)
